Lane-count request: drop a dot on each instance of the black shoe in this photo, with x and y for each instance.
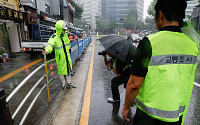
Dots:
(71, 86)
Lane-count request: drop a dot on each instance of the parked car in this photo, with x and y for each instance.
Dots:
(134, 38)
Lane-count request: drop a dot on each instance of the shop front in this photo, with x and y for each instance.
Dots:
(31, 18)
(10, 20)
(45, 27)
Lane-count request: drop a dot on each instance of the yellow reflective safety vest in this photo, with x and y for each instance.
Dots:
(97, 36)
(167, 87)
(63, 61)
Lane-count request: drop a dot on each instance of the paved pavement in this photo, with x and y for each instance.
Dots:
(66, 105)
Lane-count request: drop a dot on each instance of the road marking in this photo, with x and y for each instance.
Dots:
(19, 70)
(86, 102)
(196, 84)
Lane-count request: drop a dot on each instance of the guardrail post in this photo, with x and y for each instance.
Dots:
(5, 116)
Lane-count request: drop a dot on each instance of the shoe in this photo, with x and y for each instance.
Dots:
(111, 100)
(63, 87)
(71, 86)
(72, 73)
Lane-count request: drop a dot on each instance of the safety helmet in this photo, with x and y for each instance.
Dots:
(60, 24)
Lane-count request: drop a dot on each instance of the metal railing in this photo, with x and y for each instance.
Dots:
(30, 91)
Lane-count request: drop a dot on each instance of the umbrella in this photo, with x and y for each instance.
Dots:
(76, 32)
(119, 47)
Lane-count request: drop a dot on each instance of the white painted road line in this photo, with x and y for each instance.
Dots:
(196, 84)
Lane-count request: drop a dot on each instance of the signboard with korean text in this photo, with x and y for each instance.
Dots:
(10, 14)
(47, 17)
(12, 4)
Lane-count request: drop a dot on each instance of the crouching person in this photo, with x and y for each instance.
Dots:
(122, 70)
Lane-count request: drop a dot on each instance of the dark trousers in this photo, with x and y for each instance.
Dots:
(116, 82)
(142, 118)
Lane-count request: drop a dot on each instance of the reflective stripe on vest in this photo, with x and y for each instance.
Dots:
(50, 44)
(126, 67)
(61, 46)
(114, 62)
(172, 59)
(161, 113)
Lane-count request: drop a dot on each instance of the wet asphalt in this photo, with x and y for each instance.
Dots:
(101, 112)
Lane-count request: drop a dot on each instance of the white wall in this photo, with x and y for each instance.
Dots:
(41, 5)
(14, 37)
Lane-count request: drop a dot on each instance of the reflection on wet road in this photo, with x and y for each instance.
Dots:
(18, 69)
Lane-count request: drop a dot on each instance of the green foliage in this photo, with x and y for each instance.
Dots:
(2, 50)
(105, 27)
(150, 23)
(81, 24)
(151, 8)
(78, 9)
(101, 25)
(131, 23)
(110, 27)
(132, 15)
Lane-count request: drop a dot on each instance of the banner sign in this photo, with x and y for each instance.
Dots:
(10, 14)
(47, 17)
(12, 4)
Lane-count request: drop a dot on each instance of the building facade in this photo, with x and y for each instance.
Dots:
(117, 10)
(91, 11)
(189, 9)
(196, 17)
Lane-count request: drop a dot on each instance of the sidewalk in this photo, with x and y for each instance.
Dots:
(69, 109)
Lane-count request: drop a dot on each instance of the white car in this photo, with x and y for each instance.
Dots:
(134, 38)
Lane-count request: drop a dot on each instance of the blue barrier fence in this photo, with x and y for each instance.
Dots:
(77, 48)
(80, 47)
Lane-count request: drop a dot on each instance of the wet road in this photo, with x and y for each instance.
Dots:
(100, 112)
(103, 113)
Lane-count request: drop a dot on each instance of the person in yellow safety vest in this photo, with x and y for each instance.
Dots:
(97, 36)
(163, 70)
(61, 45)
(118, 33)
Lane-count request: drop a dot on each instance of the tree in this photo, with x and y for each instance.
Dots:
(150, 23)
(130, 22)
(110, 27)
(151, 8)
(78, 10)
(101, 25)
(81, 24)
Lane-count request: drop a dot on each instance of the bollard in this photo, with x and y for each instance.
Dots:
(5, 116)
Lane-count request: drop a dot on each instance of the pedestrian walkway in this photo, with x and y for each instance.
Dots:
(69, 110)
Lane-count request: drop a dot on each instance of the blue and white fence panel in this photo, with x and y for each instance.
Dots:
(77, 48)
(80, 47)
(74, 51)
(85, 42)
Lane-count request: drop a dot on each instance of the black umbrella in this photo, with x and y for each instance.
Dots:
(119, 47)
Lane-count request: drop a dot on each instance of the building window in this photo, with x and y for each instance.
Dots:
(47, 8)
